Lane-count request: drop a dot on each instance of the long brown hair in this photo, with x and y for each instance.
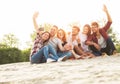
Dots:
(48, 37)
(89, 29)
(64, 37)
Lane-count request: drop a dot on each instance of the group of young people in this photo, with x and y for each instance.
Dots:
(58, 45)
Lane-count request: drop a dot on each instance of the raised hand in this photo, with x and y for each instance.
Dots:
(35, 15)
(105, 8)
(107, 13)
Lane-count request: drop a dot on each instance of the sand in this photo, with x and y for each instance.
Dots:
(99, 70)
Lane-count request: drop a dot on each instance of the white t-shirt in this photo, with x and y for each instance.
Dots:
(102, 42)
(69, 40)
(83, 38)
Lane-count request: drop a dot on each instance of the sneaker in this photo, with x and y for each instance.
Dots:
(49, 60)
(64, 58)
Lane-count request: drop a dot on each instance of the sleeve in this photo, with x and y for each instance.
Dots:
(107, 26)
(89, 38)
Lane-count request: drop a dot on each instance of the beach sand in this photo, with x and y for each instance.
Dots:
(99, 70)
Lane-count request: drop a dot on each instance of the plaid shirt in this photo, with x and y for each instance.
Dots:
(38, 44)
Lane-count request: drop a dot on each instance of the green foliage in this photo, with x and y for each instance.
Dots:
(3, 46)
(10, 40)
(113, 35)
(10, 55)
(26, 54)
(47, 26)
(118, 47)
(33, 35)
(115, 39)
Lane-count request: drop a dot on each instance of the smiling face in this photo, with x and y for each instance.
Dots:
(94, 27)
(45, 36)
(61, 34)
(75, 30)
(87, 29)
(53, 31)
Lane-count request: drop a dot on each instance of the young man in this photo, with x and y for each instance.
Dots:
(99, 42)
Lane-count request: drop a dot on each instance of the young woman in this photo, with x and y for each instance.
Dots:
(61, 34)
(40, 51)
(83, 37)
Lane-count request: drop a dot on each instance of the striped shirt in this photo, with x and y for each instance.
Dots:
(54, 42)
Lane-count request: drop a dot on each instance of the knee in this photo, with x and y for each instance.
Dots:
(69, 54)
(46, 47)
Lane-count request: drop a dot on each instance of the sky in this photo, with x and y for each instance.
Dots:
(16, 15)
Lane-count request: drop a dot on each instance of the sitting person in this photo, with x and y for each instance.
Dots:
(40, 51)
(53, 42)
(75, 40)
(57, 44)
(99, 42)
(61, 34)
(83, 37)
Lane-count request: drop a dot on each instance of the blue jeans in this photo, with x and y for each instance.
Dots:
(44, 53)
(50, 52)
(64, 53)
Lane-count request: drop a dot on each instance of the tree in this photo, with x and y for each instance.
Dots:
(3, 45)
(10, 40)
(47, 26)
(113, 35)
(33, 35)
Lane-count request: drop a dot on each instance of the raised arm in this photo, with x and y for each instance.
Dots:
(109, 22)
(35, 15)
(107, 13)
